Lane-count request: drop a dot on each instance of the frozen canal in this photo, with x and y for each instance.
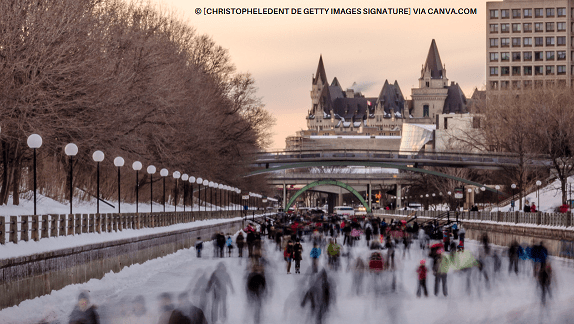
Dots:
(510, 298)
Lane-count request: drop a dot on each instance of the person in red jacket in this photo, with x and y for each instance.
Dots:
(288, 255)
(422, 271)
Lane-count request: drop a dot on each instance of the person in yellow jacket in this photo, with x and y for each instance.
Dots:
(440, 270)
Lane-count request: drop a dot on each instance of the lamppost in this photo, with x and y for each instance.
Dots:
(119, 162)
(176, 176)
(538, 184)
(137, 166)
(151, 171)
(220, 186)
(163, 173)
(469, 190)
(210, 184)
(34, 142)
(449, 200)
(497, 187)
(98, 156)
(191, 182)
(205, 184)
(199, 181)
(483, 198)
(428, 205)
(71, 150)
(184, 178)
(512, 203)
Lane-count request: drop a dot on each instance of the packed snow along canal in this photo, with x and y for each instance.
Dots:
(347, 288)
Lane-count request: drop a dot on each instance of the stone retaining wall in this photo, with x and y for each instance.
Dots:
(36, 275)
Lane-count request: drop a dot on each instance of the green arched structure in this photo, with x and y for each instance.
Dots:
(371, 164)
(328, 182)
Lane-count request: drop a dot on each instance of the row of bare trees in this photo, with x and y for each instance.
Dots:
(125, 78)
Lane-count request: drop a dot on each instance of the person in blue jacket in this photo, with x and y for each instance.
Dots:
(315, 254)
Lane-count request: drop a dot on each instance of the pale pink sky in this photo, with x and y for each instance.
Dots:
(282, 52)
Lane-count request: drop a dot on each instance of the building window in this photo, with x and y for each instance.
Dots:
(561, 69)
(505, 42)
(494, 71)
(504, 70)
(516, 70)
(561, 26)
(561, 40)
(516, 28)
(527, 56)
(515, 56)
(515, 41)
(550, 56)
(516, 85)
(549, 12)
(549, 26)
(425, 110)
(539, 13)
(515, 13)
(504, 28)
(538, 84)
(550, 41)
(493, 28)
(527, 84)
(539, 56)
(528, 70)
(504, 85)
(561, 55)
(494, 42)
(493, 14)
(527, 13)
(538, 70)
(527, 41)
(494, 85)
(539, 41)
(538, 27)
(494, 57)
(549, 69)
(504, 13)
(504, 56)
(561, 12)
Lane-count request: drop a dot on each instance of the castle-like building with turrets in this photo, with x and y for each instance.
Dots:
(361, 122)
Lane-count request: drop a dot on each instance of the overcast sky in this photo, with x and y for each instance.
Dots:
(282, 51)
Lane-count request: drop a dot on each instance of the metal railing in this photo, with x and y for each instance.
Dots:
(25, 228)
(519, 218)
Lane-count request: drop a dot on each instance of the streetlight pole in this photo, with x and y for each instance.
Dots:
(151, 171)
(513, 186)
(497, 187)
(483, 198)
(98, 157)
(164, 173)
(176, 176)
(119, 162)
(184, 178)
(191, 182)
(199, 181)
(538, 184)
(137, 166)
(34, 142)
(71, 150)
(205, 184)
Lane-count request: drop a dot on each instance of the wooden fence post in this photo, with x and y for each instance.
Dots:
(2, 230)
(115, 222)
(77, 224)
(91, 219)
(44, 226)
(84, 223)
(35, 232)
(53, 225)
(110, 223)
(62, 225)
(14, 229)
(24, 228)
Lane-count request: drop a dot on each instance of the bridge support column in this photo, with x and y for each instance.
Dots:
(399, 196)
(369, 187)
(340, 200)
(284, 196)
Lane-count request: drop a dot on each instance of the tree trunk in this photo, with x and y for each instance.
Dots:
(16, 175)
(3, 190)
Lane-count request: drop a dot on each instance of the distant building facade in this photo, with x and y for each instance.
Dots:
(341, 118)
(529, 44)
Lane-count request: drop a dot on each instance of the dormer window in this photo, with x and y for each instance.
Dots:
(428, 84)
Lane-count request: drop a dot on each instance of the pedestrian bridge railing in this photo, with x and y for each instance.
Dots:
(518, 218)
(25, 228)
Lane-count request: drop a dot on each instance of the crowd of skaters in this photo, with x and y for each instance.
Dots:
(442, 245)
